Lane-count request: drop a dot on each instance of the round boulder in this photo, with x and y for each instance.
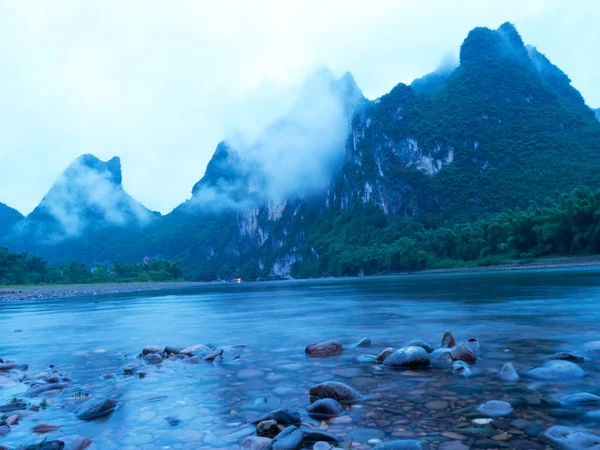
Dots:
(408, 358)
(508, 373)
(384, 354)
(326, 348)
(420, 343)
(463, 353)
(324, 409)
(495, 408)
(335, 390)
(568, 439)
(556, 370)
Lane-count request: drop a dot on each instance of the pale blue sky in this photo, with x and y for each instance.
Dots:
(160, 83)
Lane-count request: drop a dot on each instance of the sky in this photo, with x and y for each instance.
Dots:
(160, 83)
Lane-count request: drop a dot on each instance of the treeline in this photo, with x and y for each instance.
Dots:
(365, 241)
(22, 268)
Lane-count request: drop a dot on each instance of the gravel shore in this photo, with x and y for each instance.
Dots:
(77, 290)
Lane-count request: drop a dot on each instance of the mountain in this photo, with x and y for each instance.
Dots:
(8, 218)
(597, 111)
(341, 185)
(87, 199)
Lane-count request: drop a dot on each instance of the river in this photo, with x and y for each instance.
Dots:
(518, 316)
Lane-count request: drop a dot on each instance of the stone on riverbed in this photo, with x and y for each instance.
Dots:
(324, 409)
(255, 443)
(153, 358)
(170, 350)
(75, 442)
(322, 445)
(384, 354)
(364, 342)
(326, 348)
(267, 428)
(37, 390)
(312, 435)
(420, 343)
(406, 444)
(461, 369)
(196, 350)
(148, 349)
(45, 445)
(281, 416)
(288, 439)
(473, 344)
(213, 355)
(463, 353)
(408, 358)
(565, 356)
(580, 398)
(569, 439)
(508, 373)
(495, 408)
(556, 370)
(227, 437)
(448, 340)
(441, 357)
(94, 408)
(337, 391)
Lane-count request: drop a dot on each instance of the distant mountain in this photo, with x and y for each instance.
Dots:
(8, 218)
(341, 185)
(597, 111)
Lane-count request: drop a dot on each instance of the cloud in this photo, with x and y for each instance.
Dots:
(161, 83)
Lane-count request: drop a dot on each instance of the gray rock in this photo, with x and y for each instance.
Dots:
(281, 416)
(170, 350)
(384, 354)
(288, 439)
(580, 398)
(94, 408)
(404, 444)
(326, 348)
(568, 439)
(148, 349)
(420, 343)
(448, 340)
(255, 443)
(267, 428)
(214, 355)
(556, 370)
(37, 390)
(153, 358)
(495, 408)
(337, 391)
(364, 342)
(461, 369)
(45, 445)
(463, 353)
(441, 357)
(408, 358)
(311, 435)
(508, 373)
(324, 409)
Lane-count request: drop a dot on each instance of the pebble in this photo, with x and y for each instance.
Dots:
(341, 419)
(436, 405)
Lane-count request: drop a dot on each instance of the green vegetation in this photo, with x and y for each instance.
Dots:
(365, 241)
(22, 268)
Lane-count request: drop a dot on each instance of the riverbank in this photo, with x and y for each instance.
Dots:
(79, 290)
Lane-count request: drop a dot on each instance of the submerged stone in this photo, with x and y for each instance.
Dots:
(420, 343)
(461, 369)
(281, 416)
(324, 409)
(408, 358)
(288, 439)
(508, 373)
(364, 342)
(566, 356)
(556, 370)
(45, 445)
(495, 408)
(255, 443)
(337, 391)
(569, 439)
(312, 435)
(580, 398)
(404, 444)
(94, 408)
(326, 348)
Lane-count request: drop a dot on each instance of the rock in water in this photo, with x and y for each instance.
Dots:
(448, 340)
(565, 356)
(312, 435)
(151, 349)
(462, 353)
(255, 443)
(45, 445)
(75, 442)
(568, 439)
(322, 445)
(281, 416)
(267, 428)
(508, 373)
(441, 357)
(461, 369)
(420, 343)
(408, 358)
(288, 439)
(324, 409)
(153, 358)
(214, 355)
(473, 344)
(196, 350)
(556, 370)
(37, 390)
(405, 444)
(324, 348)
(495, 408)
(580, 398)
(337, 391)
(364, 342)
(94, 408)
(384, 354)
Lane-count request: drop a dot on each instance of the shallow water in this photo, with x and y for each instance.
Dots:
(519, 317)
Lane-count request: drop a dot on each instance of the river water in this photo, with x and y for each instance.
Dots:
(518, 316)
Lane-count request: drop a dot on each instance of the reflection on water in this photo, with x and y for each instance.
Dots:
(519, 317)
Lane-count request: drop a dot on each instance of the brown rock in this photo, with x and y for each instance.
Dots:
(384, 354)
(448, 340)
(462, 353)
(326, 348)
(44, 428)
